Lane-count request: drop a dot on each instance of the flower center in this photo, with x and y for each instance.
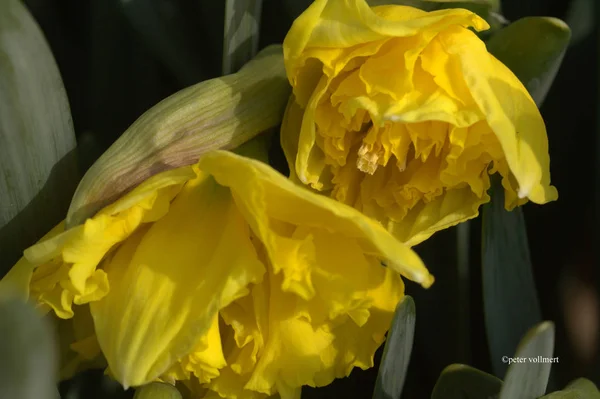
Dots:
(397, 166)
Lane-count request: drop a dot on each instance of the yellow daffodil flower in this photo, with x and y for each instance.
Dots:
(403, 114)
(224, 276)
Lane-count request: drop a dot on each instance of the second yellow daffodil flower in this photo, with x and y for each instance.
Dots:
(403, 114)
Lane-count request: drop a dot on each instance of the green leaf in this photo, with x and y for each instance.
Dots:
(581, 388)
(38, 169)
(242, 25)
(527, 376)
(28, 353)
(459, 381)
(533, 48)
(510, 301)
(396, 353)
(157, 390)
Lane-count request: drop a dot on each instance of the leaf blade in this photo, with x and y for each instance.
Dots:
(459, 381)
(529, 379)
(580, 388)
(533, 48)
(157, 390)
(38, 169)
(396, 353)
(506, 268)
(28, 369)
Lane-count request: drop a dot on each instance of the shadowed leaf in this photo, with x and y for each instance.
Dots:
(28, 353)
(578, 389)
(510, 301)
(459, 381)
(396, 353)
(533, 48)
(38, 169)
(528, 377)
(157, 390)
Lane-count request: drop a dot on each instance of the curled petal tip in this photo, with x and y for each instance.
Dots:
(428, 281)
(523, 193)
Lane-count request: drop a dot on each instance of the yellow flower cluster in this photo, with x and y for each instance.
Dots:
(238, 282)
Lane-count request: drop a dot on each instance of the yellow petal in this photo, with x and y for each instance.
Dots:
(274, 196)
(79, 349)
(295, 348)
(62, 268)
(355, 345)
(454, 207)
(343, 24)
(170, 279)
(16, 281)
(289, 142)
(323, 271)
(510, 112)
(247, 321)
(292, 350)
(230, 385)
(204, 361)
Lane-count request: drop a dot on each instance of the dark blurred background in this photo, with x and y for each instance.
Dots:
(120, 57)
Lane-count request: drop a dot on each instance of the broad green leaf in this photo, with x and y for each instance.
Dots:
(579, 389)
(28, 353)
(510, 301)
(157, 390)
(38, 168)
(533, 48)
(396, 353)
(459, 381)
(240, 40)
(527, 376)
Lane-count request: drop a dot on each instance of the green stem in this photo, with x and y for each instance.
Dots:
(464, 305)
